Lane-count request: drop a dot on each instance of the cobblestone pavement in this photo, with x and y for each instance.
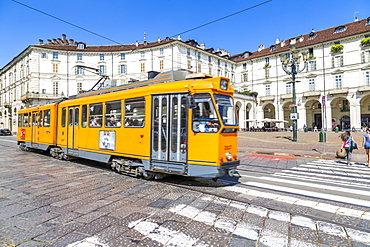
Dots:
(48, 202)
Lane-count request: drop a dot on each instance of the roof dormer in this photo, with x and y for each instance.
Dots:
(340, 29)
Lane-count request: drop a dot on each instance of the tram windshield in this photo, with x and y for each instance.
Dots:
(225, 105)
(204, 114)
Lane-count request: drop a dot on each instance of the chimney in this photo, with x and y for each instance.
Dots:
(277, 41)
(60, 41)
(137, 43)
(41, 42)
(179, 37)
(71, 41)
(49, 42)
(64, 38)
(159, 39)
(55, 41)
(356, 19)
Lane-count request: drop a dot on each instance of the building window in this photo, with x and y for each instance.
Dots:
(244, 77)
(55, 68)
(101, 57)
(288, 88)
(161, 51)
(365, 56)
(340, 29)
(367, 78)
(55, 87)
(80, 46)
(267, 60)
(267, 73)
(161, 64)
(79, 87)
(142, 54)
(311, 65)
(189, 64)
(219, 72)
(43, 55)
(338, 81)
(102, 69)
(287, 56)
(79, 71)
(122, 69)
(142, 65)
(188, 52)
(210, 70)
(55, 55)
(79, 57)
(244, 66)
(267, 90)
(199, 67)
(218, 62)
(198, 55)
(337, 61)
(123, 56)
(209, 59)
(311, 84)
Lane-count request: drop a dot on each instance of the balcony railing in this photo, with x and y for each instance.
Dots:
(41, 96)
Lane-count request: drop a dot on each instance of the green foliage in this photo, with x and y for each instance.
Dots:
(365, 41)
(336, 48)
(246, 92)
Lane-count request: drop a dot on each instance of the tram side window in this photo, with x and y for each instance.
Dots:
(135, 112)
(39, 119)
(26, 120)
(63, 117)
(34, 119)
(46, 118)
(113, 114)
(84, 116)
(20, 122)
(95, 115)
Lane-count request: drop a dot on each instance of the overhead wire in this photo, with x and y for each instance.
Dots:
(116, 42)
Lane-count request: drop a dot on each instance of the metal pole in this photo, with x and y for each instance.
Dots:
(294, 108)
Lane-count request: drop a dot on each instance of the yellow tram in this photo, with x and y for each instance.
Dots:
(174, 123)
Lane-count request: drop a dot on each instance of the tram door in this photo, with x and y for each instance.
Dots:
(169, 128)
(34, 125)
(73, 120)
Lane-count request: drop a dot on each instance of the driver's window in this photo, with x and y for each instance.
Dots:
(204, 114)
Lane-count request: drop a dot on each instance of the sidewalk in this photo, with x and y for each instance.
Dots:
(307, 145)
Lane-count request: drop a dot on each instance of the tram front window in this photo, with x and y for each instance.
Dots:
(225, 106)
(204, 115)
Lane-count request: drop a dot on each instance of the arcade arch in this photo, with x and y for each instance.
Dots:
(340, 112)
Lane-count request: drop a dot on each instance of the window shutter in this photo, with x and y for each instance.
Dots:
(314, 65)
(332, 62)
(363, 57)
(341, 61)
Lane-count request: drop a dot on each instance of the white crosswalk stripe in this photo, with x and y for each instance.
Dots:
(321, 179)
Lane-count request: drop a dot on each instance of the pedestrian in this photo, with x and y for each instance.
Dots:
(315, 129)
(347, 140)
(366, 145)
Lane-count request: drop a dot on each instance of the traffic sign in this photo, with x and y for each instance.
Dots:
(323, 100)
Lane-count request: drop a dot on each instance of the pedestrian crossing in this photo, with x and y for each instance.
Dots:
(329, 180)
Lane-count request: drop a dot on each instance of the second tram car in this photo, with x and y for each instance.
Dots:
(174, 123)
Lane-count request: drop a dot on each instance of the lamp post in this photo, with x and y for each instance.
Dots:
(291, 67)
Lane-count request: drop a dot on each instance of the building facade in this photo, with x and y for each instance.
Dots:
(44, 72)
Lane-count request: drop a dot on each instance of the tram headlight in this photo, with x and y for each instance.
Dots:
(229, 156)
(224, 84)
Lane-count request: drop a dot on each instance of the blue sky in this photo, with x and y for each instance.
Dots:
(125, 21)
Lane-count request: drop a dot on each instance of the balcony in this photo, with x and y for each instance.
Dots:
(311, 93)
(267, 98)
(40, 96)
(364, 88)
(6, 104)
(286, 96)
(343, 90)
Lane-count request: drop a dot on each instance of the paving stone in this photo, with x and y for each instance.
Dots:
(32, 243)
(252, 221)
(333, 240)
(59, 231)
(71, 238)
(111, 232)
(97, 225)
(239, 242)
(122, 242)
(276, 228)
(303, 234)
(161, 203)
(214, 239)
(36, 220)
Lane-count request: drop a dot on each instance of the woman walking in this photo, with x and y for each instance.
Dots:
(347, 145)
(366, 145)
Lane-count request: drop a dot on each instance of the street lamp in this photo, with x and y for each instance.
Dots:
(291, 67)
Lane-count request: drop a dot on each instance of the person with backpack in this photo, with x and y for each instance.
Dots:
(366, 145)
(347, 145)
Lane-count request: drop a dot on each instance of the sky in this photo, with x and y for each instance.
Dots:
(124, 22)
